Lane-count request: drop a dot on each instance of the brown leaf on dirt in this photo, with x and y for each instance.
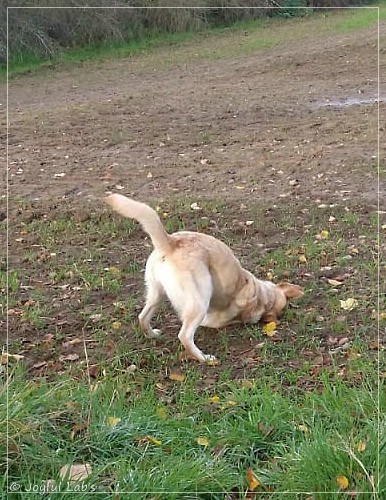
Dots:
(333, 282)
(48, 338)
(39, 364)
(69, 343)
(69, 357)
(375, 345)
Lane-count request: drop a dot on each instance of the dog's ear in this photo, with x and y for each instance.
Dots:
(291, 291)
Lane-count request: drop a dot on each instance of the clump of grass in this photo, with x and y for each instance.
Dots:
(136, 442)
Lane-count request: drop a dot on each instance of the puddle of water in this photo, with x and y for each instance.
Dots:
(347, 102)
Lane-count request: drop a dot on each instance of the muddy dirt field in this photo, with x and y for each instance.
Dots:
(213, 121)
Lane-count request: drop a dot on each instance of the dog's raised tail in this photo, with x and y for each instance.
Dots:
(145, 215)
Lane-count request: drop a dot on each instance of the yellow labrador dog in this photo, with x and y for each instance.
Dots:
(202, 279)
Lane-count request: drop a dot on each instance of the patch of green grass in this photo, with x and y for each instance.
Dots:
(292, 442)
(362, 18)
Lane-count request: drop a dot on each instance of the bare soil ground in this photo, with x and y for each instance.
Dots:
(215, 121)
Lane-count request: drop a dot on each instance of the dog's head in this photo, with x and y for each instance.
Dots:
(283, 292)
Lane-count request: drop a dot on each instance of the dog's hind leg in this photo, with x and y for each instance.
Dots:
(154, 298)
(191, 295)
(189, 326)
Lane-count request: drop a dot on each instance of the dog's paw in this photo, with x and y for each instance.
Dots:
(155, 333)
(211, 360)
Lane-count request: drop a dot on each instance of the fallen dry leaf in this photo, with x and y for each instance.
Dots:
(112, 421)
(342, 482)
(228, 404)
(349, 304)
(177, 376)
(48, 338)
(153, 440)
(39, 364)
(335, 282)
(203, 441)
(213, 362)
(253, 482)
(72, 342)
(302, 259)
(76, 472)
(69, 357)
(270, 329)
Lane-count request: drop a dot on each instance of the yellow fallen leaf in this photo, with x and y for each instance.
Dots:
(153, 440)
(116, 325)
(177, 376)
(302, 259)
(348, 304)
(75, 472)
(253, 482)
(112, 421)
(342, 482)
(303, 428)
(324, 234)
(213, 362)
(228, 404)
(203, 441)
(270, 329)
(162, 413)
(214, 399)
(361, 446)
